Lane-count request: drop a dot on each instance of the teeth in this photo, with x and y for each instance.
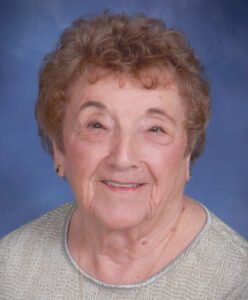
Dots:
(123, 185)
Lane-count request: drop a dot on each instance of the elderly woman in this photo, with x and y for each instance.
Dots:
(122, 108)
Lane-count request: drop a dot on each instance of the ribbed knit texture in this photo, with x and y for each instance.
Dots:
(35, 264)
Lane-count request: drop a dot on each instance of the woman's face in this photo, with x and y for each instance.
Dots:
(124, 150)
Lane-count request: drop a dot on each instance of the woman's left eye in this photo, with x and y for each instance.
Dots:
(156, 129)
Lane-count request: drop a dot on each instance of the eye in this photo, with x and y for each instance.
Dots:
(95, 125)
(156, 129)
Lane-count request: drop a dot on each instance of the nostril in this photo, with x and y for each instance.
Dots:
(123, 153)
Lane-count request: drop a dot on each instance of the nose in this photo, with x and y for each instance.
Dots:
(123, 154)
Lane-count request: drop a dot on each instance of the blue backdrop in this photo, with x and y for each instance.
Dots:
(218, 32)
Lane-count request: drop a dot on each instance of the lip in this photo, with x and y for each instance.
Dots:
(122, 186)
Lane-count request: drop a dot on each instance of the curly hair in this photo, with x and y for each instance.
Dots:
(132, 45)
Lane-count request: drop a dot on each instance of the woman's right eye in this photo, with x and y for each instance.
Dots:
(94, 130)
(95, 125)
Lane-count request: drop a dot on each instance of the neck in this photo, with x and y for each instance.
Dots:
(120, 256)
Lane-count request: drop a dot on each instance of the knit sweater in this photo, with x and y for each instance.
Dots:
(35, 264)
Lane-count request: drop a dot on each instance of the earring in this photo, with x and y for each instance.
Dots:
(57, 169)
(190, 174)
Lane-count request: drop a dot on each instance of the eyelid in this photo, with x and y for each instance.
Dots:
(94, 122)
(87, 118)
(160, 128)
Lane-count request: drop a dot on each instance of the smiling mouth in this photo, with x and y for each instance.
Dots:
(122, 186)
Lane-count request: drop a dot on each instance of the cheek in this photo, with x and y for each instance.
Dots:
(81, 164)
(168, 169)
(165, 160)
(83, 157)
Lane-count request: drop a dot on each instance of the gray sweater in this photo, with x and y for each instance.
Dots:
(35, 264)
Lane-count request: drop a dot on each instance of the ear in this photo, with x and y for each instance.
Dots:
(58, 158)
(188, 167)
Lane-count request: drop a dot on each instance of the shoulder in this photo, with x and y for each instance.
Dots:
(226, 239)
(45, 226)
(31, 256)
(215, 264)
(36, 235)
(216, 239)
(222, 255)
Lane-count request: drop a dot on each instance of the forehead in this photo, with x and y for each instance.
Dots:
(121, 92)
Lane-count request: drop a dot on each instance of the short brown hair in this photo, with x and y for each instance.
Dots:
(123, 44)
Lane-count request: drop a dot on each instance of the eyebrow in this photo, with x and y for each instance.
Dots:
(160, 112)
(92, 103)
(150, 111)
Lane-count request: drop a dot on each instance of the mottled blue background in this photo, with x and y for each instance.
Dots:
(218, 30)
